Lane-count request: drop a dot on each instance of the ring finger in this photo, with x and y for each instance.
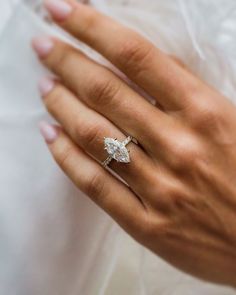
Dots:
(88, 128)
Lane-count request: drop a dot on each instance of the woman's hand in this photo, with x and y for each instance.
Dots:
(180, 197)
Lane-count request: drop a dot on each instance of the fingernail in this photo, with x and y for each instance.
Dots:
(59, 9)
(45, 86)
(48, 132)
(42, 45)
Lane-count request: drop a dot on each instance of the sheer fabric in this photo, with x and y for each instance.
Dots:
(53, 239)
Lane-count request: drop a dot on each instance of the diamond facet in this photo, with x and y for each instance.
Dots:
(111, 145)
(117, 150)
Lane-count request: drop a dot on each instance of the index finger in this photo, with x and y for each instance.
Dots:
(137, 57)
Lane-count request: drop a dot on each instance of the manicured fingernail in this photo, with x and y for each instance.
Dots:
(59, 9)
(42, 45)
(48, 131)
(45, 85)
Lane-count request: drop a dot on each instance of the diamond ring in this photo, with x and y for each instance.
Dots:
(116, 150)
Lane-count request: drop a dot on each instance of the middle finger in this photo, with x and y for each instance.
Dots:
(103, 91)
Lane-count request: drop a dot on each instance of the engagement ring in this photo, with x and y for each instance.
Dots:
(116, 150)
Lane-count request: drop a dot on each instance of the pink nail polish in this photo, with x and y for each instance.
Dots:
(59, 9)
(42, 45)
(48, 132)
(45, 86)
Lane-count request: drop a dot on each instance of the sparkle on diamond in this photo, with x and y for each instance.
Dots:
(117, 150)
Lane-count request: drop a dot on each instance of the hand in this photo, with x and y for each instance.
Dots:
(180, 197)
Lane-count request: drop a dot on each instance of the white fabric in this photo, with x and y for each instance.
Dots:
(54, 241)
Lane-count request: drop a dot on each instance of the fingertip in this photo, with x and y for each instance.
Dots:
(42, 45)
(45, 86)
(58, 9)
(48, 131)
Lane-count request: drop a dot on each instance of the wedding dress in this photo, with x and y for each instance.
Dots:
(54, 240)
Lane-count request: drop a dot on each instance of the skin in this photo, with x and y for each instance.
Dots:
(180, 197)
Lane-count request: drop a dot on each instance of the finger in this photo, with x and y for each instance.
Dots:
(88, 129)
(104, 92)
(109, 193)
(147, 66)
(178, 61)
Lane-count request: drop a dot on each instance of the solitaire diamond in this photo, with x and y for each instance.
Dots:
(117, 149)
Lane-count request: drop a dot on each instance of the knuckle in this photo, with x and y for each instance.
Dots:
(185, 200)
(147, 228)
(65, 57)
(141, 230)
(177, 60)
(176, 195)
(207, 116)
(63, 156)
(103, 90)
(153, 227)
(53, 100)
(90, 19)
(190, 89)
(166, 193)
(95, 186)
(89, 136)
(134, 53)
(187, 159)
(185, 154)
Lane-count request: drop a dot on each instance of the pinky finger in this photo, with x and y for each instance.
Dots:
(109, 193)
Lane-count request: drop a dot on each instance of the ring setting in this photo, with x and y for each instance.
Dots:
(116, 150)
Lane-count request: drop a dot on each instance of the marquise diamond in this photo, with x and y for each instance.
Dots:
(117, 150)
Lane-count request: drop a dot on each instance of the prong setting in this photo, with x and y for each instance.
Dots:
(117, 150)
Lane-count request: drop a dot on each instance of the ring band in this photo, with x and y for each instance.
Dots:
(116, 150)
